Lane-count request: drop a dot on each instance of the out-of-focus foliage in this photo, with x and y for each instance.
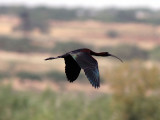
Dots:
(3, 75)
(54, 75)
(134, 87)
(50, 106)
(112, 34)
(155, 53)
(27, 46)
(128, 52)
(38, 16)
(18, 45)
(51, 75)
(29, 75)
(59, 76)
(135, 96)
(69, 46)
(136, 92)
(108, 14)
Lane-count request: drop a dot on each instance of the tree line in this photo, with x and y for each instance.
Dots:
(39, 16)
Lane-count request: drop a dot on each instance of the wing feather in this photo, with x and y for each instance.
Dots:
(72, 69)
(89, 65)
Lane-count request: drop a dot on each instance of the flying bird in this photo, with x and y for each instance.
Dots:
(82, 59)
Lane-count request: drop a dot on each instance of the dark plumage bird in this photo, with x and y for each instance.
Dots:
(82, 58)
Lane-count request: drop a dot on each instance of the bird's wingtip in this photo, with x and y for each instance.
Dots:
(96, 86)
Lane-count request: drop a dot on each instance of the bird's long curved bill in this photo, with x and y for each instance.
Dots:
(116, 57)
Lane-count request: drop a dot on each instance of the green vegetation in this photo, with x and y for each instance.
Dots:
(28, 75)
(24, 45)
(135, 88)
(54, 75)
(127, 52)
(155, 53)
(112, 34)
(49, 75)
(39, 16)
(50, 106)
(136, 92)
(18, 45)
(3, 75)
(62, 47)
(107, 14)
(135, 96)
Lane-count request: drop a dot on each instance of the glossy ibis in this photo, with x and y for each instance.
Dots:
(82, 58)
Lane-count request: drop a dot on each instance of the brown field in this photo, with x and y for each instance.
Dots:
(16, 62)
(89, 32)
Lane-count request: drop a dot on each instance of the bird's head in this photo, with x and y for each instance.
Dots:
(108, 54)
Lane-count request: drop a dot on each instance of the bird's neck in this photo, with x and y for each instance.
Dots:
(97, 54)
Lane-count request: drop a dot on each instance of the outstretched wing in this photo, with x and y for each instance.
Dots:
(72, 69)
(89, 65)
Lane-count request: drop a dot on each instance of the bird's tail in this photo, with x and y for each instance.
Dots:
(51, 58)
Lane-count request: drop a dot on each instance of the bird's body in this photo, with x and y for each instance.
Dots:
(82, 59)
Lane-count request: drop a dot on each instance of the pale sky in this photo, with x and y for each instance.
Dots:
(155, 4)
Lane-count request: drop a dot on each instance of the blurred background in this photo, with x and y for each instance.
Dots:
(33, 89)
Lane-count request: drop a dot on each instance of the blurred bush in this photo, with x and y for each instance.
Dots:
(55, 75)
(50, 106)
(25, 45)
(52, 75)
(62, 47)
(112, 34)
(29, 75)
(61, 77)
(127, 52)
(136, 92)
(18, 45)
(155, 53)
(135, 96)
(38, 16)
(4, 75)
